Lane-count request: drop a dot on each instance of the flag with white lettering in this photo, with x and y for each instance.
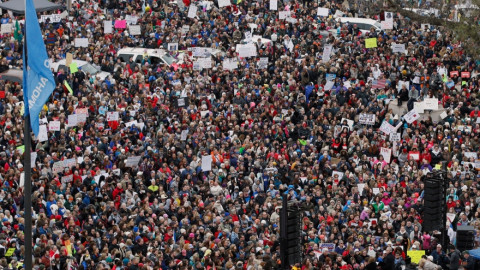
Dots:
(38, 83)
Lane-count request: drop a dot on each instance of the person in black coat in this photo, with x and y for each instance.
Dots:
(389, 260)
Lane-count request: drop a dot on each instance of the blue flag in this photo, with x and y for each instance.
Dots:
(308, 92)
(38, 83)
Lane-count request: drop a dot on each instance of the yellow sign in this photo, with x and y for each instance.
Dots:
(9, 252)
(416, 255)
(21, 148)
(68, 87)
(371, 43)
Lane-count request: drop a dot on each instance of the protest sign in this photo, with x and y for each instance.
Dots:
(386, 153)
(206, 163)
(398, 48)
(416, 255)
(81, 42)
(430, 104)
(107, 27)
(366, 118)
(112, 116)
(6, 28)
(132, 161)
(370, 43)
(387, 128)
(192, 11)
(135, 30)
(411, 116)
(273, 5)
(42, 133)
(54, 125)
(322, 12)
(223, 3)
(395, 137)
(120, 24)
(327, 50)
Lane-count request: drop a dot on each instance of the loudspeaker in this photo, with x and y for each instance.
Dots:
(465, 238)
(434, 204)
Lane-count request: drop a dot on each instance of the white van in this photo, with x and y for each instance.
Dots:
(362, 23)
(155, 56)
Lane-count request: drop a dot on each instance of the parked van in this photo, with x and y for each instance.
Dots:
(362, 23)
(155, 56)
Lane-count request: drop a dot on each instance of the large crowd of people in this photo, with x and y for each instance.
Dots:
(191, 173)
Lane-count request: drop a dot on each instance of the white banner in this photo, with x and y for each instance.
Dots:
(206, 163)
(395, 137)
(230, 64)
(247, 50)
(263, 63)
(282, 15)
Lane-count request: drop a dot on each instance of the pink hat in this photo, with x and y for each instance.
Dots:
(191, 235)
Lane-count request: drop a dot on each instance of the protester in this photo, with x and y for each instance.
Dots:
(190, 175)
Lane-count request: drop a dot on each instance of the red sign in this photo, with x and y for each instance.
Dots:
(2, 94)
(453, 73)
(465, 74)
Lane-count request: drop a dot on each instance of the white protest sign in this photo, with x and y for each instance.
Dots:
(206, 163)
(184, 135)
(224, 3)
(329, 85)
(54, 18)
(248, 36)
(247, 50)
(395, 137)
(185, 29)
(33, 158)
(367, 118)
(411, 116)
(443, 115)
(205, 62)
(67, 178)
(135, 30)
(322, 12)
(57, 167)
(22, 180)
(131, 19)
(360, 187)
(173, 47)
(69, 163)
(54, 125)
(398, 48)
(375, 191)
(430, 104)
(327, 50)
(419, 107)
(282, 15)
(387, 128)
(263, 63)
(273, 5)
(81, 42)
(72, 120)
(107, 27)
(385, 25)
(42, 133)
(7, 28)
(230, 64)
(386, 153)
(112, 116)
(470, 155)
(192, 11)
(132, 161)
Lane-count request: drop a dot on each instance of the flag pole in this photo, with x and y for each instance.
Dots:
(27, 189)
